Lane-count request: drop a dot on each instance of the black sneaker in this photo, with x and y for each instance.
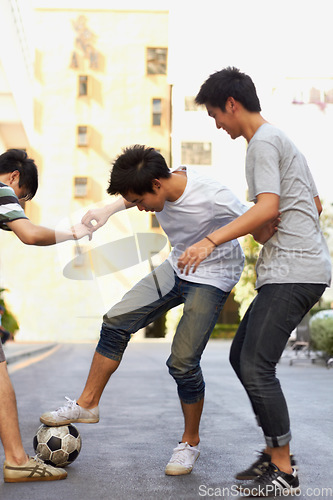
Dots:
(256, 469)
(272, 482)
(260, 466)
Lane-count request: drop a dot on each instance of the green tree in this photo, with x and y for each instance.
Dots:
(8, 321)
(326, 224)
(244, 290)
(322, 335)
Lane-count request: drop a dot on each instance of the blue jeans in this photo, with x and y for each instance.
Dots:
(156, 294)
(257, 348)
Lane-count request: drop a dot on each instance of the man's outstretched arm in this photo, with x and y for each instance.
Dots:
(265, 210)
(101, 215)
(31, 234)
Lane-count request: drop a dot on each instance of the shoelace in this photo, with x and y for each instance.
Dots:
(37, 459)
(270, 473)
(71, 403)
(179, 455)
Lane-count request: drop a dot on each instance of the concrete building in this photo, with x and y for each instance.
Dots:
(99, 84)
(16, 75)
(78, 82)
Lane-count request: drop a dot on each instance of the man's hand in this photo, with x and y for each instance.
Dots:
(264, 233)
(99, 215)
(195, 254)
(80, 230)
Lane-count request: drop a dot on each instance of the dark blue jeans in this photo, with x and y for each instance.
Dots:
(258, 346)
(156, 294)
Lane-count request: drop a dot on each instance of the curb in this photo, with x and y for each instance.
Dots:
(27, 353)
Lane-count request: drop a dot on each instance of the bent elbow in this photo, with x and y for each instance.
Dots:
(29, 240)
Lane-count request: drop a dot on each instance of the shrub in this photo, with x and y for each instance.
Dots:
(321, 330)
(224, 331)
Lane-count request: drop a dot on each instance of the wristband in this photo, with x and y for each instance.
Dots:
(207, 238)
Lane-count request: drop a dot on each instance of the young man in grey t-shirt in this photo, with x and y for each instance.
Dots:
(293, 268)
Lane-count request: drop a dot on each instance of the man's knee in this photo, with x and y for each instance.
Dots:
(248, 374)
(113, 341)
(234, 361)
(178, 367)
(187, 375)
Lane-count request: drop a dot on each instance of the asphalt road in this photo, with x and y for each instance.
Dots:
(123, 457)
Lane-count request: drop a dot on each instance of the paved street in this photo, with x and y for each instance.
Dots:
(123, 457)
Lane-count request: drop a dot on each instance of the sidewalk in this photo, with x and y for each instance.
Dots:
(17, 351)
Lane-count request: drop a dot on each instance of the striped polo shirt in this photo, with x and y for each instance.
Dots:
(10, 208)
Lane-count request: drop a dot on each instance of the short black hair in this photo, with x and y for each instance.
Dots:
(229, 82)
(135, 170)
(17, 159)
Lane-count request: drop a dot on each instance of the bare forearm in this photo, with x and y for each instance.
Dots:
(43, 236)
(31, 234)
(318, 204)
(117, 206)
(97, 217)
(251, 222)
(265, 210)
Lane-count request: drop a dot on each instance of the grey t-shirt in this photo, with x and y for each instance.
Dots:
(297, 253)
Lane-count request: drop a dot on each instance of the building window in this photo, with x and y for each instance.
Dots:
(82, 136)
(190, 104)
(154, 222)
(157, 111)
(157, 61)
(328, 96)
(320, 93)
(83, 85)
(314, 96)
(196, 153)
(80, 187)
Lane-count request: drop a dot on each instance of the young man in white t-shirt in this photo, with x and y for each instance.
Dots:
(293, 268)
(188, 206)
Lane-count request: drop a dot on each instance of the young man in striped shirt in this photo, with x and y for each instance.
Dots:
(19, 181)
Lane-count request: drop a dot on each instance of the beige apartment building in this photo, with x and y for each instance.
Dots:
(99, 84)
(79, 80)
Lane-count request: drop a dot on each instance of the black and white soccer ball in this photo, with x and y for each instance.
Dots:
(57, 446)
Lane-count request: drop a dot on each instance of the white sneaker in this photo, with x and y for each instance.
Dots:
(70, 413)
(182, 460)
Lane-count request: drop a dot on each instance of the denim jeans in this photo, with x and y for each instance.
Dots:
(257, 348)
(149, 299)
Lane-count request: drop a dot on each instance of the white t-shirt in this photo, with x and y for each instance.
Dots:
(204, 206)
(297, 253)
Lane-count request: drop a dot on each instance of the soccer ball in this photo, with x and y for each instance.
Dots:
(57, 446)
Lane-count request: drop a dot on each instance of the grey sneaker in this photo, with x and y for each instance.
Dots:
(182, 460)
(33, 470)
(70, 413)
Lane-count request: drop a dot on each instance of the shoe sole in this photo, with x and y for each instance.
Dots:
(49, 423)
(33, 479)
(178, 472)
(245, 478)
